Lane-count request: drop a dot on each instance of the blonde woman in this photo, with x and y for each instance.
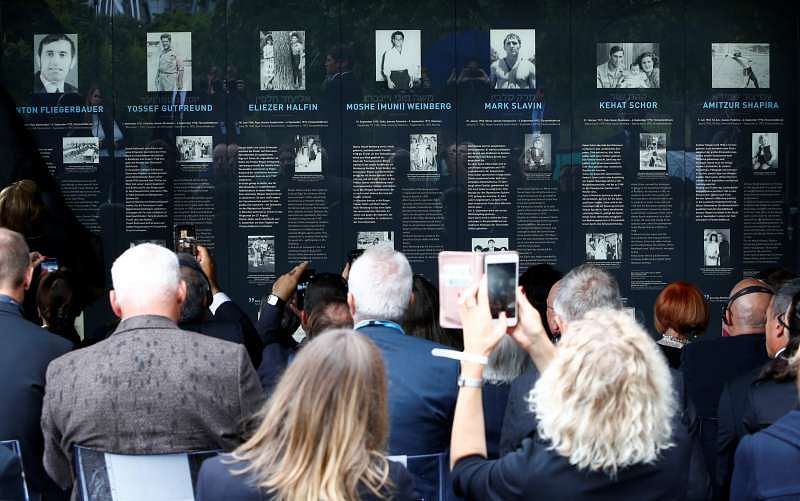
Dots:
(607, 424)
(322, 436)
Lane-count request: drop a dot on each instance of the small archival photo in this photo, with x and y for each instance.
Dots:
(653, 151)
(197, 149)
(398, 57)
(628, 65)
(81, 150)
(740, 65)
(55, 63)
(367, 239)
(283, 60)
(422, 152)
(490, 244)
(537, 152)
(603, 246)
(716, 247)
(308, 156)
(512, 57)
(260, 254)
(169, 61)
(764, 150)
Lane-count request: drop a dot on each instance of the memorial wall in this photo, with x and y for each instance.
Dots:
(656, 139)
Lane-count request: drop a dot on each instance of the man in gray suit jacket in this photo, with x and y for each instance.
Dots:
(150, 387)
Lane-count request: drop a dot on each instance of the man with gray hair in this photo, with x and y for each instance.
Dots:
(27, 349)
(150, 387)
(422, 388)
(584, 288)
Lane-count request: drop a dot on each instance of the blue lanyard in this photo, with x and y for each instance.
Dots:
(8, 299)
(379, 323)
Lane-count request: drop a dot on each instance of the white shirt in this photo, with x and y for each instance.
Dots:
(50, 87)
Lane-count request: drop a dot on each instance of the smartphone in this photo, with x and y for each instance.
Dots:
(302, 285)
(502, 273)
(50, 265)
(186, 239)
(457, 271)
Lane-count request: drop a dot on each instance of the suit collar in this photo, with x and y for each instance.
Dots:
(145, 322)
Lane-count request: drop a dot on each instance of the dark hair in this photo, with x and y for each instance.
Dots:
(651, 55)
(58, 305)
(615, 48)
(55, 37)
(775, 277)
(198, 289)
(537, 282)
(165, 35)
(333, 314)
(779, 368)
(22, 208)
(324, 288)
(397, 33)
(422, 315)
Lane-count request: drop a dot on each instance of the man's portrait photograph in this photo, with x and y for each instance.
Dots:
(169, 61)
(397, 58)
(512, 59)
(55, 63)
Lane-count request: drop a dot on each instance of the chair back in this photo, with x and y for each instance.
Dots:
(107, 476)
(12, 473)
(430, 474)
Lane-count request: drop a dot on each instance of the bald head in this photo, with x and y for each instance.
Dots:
(747, 313)
(15, 264)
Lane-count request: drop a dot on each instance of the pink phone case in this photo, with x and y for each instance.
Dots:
(457, 271)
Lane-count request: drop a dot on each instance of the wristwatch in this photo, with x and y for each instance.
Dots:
(470, 382)
(272, 300)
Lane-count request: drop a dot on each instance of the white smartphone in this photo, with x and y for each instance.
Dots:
(502, 273)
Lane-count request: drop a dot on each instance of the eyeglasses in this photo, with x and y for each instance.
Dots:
(781, 320)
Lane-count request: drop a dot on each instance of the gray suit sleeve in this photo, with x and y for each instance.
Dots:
(56, 461)
(251, 394)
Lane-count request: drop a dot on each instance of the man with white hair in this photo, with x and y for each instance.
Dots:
(584, 288)
(150, 387)
(422, 388)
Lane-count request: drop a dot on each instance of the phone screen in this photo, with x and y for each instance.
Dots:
(50, 264)
(502, 278)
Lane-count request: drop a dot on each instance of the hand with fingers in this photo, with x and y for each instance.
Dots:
(286, 284)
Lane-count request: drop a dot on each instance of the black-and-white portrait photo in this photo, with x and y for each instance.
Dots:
(283, 60)
(717, 247)
(422, 152)
(603, 246)
(260, 254)
(537, 152)
(55, 63)
(764, 150)
(81, 150)
(512, 56)
(367, 239)
(398, 58)
(628, 65)
(194, 148)
(490, 244)
(308, 153)
(740, 65)
(653, 151)
(169, 61)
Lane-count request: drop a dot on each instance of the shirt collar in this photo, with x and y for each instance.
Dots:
(50, 87)
(8, 300)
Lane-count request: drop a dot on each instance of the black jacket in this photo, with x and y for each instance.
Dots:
(26, 351)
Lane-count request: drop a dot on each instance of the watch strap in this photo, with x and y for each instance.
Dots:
(470, 382)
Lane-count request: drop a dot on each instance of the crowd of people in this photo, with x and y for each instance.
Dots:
(336, 379)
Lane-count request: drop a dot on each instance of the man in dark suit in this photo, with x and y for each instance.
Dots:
(56, 57)
(422, 388)
(150, 387)
(27, 349)
(210, 311)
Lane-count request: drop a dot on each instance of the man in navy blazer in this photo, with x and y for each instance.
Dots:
(27, 350)
(422, 388)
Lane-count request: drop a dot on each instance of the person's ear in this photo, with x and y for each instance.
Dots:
(351, 302)
(112, 297)
(303, 318)
(181, 293)
(28, 280)
(411, 299)
(561, 323)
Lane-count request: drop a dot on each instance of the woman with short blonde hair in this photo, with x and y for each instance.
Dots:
(322, 435)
